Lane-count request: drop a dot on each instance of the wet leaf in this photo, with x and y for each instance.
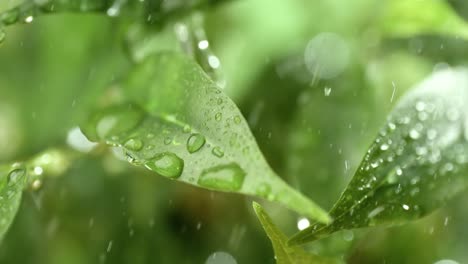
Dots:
(418, 161)
(184, 127)
(12, 182)
(406, 18)
(285, 254)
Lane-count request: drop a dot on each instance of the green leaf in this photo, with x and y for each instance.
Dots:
(406, 18)
(285, 254)
(188, 129)
(12, 182)
(418, 161)
(149, 11)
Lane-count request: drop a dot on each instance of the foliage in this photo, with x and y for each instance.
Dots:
(254, 99)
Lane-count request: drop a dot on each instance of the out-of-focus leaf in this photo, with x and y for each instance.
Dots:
(191, 131)
(12, 182)
(285, 254)
(405, 18)
(150, 11)
(417, 162)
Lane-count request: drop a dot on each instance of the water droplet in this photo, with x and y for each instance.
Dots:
(376, 211)
(218, 116)
(446, 261)
(28, 19)
(414, 134)
(392, 126)
(16, 177)
(112, 122)
(10, 17)
(303, 223)
(134, 144)
(431, 134)
(203, 44)
(420, 106)
(405, 207)
(195, 142)
(399, 171)
(36, 184)
(237, 119)
(327, 91)
(167, 141)
(220, 257)
(384, 147)
(421, 151)
(229, 177)
(218, 152)
(166, 164)
(263, 190)
(348, 235)
(186, 129)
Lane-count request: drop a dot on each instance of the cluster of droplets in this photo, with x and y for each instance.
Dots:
(113, 126)
(429, 136)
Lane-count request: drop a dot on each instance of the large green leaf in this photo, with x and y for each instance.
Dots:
(285, 254)
(418, 161)
(406, 18)
(188, 129)
(12, 182)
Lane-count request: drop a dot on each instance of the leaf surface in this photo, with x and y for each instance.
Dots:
(182, 126)
(418, 161)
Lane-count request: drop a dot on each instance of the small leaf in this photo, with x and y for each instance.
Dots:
(12, 182)
(188, 129)
(285, 254)
(418, 161)
(406, 18)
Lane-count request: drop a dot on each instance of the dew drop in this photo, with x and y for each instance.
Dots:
(195, 142)
(229, 177)
(327, 91)
(218, 116)
(134, 144)
(237, 119)
(218, 152)
(405, 207)
(166, 164)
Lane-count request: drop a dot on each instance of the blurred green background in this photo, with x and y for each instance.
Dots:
(313, 124)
